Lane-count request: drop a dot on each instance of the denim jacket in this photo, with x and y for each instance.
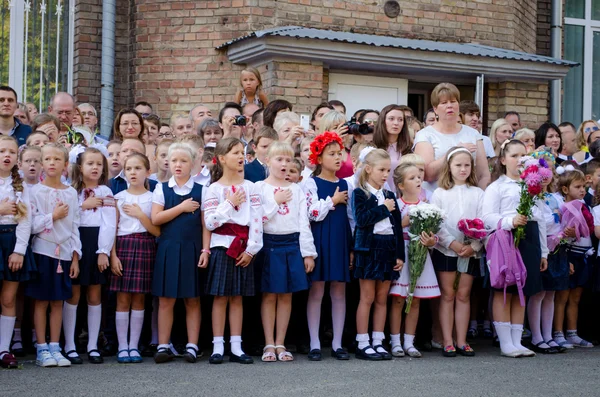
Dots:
(367, 212)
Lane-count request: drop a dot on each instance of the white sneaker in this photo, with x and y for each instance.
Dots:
(61, 361)
(45, 359)
(436, 345)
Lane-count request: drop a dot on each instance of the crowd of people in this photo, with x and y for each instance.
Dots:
(261, 214)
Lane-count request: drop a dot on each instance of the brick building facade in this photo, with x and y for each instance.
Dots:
(166, 50)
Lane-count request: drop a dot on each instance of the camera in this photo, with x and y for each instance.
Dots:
(355, 128)
(239, 120)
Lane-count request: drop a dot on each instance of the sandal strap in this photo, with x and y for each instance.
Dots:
(269, 347)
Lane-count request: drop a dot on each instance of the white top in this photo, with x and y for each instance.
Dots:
(218, 211)
(306, 173)
(383, 227)
(128, 224)
(500, 202)
(459, 202)
(287, 218)
(153, 177)
(596, 214)
(158, 196)
(23, 229)
(104, 217)
(203, 177)
(57, 239)
(318, 209)
(488, 146)
(549, 207)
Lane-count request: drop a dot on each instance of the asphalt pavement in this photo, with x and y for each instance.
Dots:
(576, 373)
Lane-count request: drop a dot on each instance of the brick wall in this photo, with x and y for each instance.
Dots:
(544, 19)
(529, 99)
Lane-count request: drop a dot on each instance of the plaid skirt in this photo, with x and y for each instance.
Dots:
(137, 253)
(227, 279)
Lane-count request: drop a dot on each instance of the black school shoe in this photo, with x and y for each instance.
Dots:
(315, 355)
(362, 354)
(149, 350)
(340, 354)
(163, 355)
(95, 359)
(243, 359)
(75, 359)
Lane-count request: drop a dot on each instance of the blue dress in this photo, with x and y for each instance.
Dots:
(333, 237)
(176, 271)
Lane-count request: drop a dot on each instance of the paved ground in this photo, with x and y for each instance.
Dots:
(576, 373)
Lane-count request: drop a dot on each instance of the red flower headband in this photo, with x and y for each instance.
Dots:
(320, 143)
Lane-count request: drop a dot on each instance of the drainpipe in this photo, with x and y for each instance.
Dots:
(107, 105)
(556, 47)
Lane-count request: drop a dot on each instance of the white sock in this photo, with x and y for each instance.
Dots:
(122, 325)
(136, 323)
(34, 336)
(504, 337)
(516, 332)
(17, 339)
(236, 345)
(573, 338)
(408, 341)
(154, 340)
(363, 341)
(190, 349)
(218, 345)
(69, 320)
(395, 339)
(338, 312)
(41, 346)
(94, 319)
(313, 314)
(163, 346)
(7, 324)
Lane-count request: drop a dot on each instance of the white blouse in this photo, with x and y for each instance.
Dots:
(383, 227)
(287, 218)
(128, 224)
(500, 203)
(23, 225)
(459, 202)
(158, 196)
(56, 239)
(218, 211)
(319, 208)
(104, 217)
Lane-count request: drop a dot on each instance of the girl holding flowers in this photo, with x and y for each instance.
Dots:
(461, 200)
(327, 200)
(500, 201)
(407, 178)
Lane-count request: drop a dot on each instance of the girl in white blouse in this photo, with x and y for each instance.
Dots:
(132, 257)
(500, 202)
(233, 213)
(460, 198)
(17, 264)
(57, 248)
(97, 229)
(289, 250)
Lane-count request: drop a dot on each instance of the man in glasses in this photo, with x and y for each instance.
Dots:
(62, 106)
(90, 117)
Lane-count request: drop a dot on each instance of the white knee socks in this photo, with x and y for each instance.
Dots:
(122, 325)
(137, 321)
(94, 319)
(7, 324)
(69, 320)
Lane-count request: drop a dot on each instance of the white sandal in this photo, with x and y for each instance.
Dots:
(413, 352)
(397, 351)
(281, 356)
(268, 357)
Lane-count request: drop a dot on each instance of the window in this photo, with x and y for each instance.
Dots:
(581, 97)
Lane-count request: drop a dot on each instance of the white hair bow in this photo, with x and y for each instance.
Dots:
(561, 170)
(364, 153)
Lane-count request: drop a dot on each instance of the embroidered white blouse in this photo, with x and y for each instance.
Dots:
(56, 239)
(459, 202)
(218, 211)
(128, 224)
(287, 218)
(104, 217)
(23, 229)
(319, 208)
(500, 202)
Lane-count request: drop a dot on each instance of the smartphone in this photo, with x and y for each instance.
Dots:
(305, 122)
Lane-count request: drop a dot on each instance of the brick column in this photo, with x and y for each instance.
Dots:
(529, 99)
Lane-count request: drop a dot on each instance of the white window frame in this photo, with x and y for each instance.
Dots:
(590, 26)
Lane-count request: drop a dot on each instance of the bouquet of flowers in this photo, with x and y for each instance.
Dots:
(533, 173)
(474, 231)
(423, 218)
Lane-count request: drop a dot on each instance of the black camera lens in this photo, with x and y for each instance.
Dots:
(239, 120)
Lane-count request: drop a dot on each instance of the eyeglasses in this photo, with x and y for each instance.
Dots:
(132, 124)
(88, 114)
(165, 135)
(369, 121)
(589, 130)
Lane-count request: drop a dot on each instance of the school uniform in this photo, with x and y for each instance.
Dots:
(378, 240)
(235, 230)
(14, 235)
(119, 183)
(556, 277)
(97, 229)
(176, 272)
(331, 230)
(427, 286)
(203, 177)
(458, 202)
(135, 247)
(500, 203)
(581, 255)
(287, 240)
(255, 171)
(54, 242)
